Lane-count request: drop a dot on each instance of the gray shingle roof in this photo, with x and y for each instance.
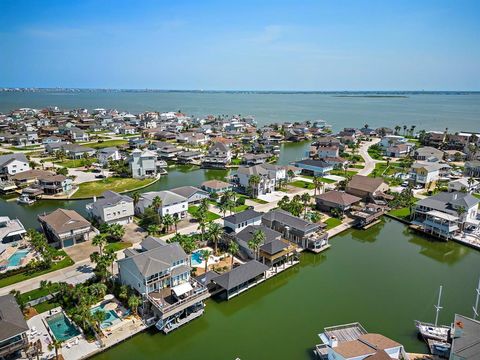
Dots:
(240, 275)
(151, 242)
(466, 338)
(5, 159)
(12, 322)
(243, 216)
(247, 233)
(446, 201)
(290, 220)
(111, 198)
(168, 197)
(187, 191)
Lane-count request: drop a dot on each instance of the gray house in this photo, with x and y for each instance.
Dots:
(113, 208)
(160, 273)
(13, 327)
(143, 163)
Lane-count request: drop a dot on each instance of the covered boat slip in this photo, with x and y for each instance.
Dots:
(241, 278)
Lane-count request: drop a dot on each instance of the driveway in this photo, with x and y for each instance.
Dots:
(369, 162)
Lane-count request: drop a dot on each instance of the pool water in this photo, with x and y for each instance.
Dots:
(62, 328)
(110, 318)
(17, 257)
(196, 258)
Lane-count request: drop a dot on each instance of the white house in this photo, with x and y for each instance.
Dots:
(463, 184)
(424, 173)
(173, 204)
(239, 221)
(108, 154)
(12, 164)
(113, 208)
(266, 184)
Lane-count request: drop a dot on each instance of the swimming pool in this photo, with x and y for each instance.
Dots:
(17, 257)
(61, 326)
(196, 258)
(110, 319)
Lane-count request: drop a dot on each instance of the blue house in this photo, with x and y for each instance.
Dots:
(314, 167)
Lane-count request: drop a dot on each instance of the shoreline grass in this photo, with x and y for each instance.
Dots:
(117, 184)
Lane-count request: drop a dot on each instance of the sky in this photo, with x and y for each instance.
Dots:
(241, 45)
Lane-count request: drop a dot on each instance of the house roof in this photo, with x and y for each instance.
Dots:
(466, 338)
(168, 197)
(242, 216)
(218, 145)
(338, 197)
(111, 198)
(240, 275)
(290, 220)
(365, 183)
(378, 341)
(12, 322)
(30, 174)
(247, 233)
(151, 242)
(76, 148)
(207, 277)
(312, 162)
(187, 191)
(448, 201)
(155, 260)
(252, 170)
(6, 159)
(63, 220)
(216, 184)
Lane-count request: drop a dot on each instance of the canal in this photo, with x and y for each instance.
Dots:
(384, 277)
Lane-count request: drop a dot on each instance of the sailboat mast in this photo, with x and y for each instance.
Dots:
(438, 307)
(475, 308)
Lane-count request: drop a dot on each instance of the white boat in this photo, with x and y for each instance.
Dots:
(439, 348)
(25, 200)
(434, 331)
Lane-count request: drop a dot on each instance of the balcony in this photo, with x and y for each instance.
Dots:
(13, 347)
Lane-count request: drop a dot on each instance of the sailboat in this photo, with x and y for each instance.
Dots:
(434, 331)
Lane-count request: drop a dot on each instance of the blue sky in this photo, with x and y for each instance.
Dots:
(257, 45)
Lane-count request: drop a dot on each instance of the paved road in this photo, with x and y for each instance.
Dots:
(369, 162)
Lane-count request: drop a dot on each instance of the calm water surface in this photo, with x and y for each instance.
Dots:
(426, 111)
(385, 277)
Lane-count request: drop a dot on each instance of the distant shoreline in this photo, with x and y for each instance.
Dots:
(372, 96)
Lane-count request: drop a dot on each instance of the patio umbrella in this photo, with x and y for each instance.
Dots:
(108, 297)
(111, 306)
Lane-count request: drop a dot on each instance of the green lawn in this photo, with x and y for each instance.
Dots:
(339, 172)
(327, 181)
(332, 222)
(240, 208)
(65, 262)
(45, 306)
(37, 293)
(236, 161)
(302, 184)
(23, 148)
(259, 201)
(117, 246)
(192, 210)
(357, 166)
(402, 213)
(107, 143)
(75, 163)
(476, 195)
(96, 188)
(375, 153)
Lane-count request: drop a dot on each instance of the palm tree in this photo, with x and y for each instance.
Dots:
(98, 317)
(176, 220)
(168, 221)
(134, 303)
(253, 183)
(136, 199)
(123, 294)
(202, 222)
(305, 199)
(153, 229)
(55, 344)
(257, 240)
(100, 240)
(205, 255)
(116, 232)
(290, 174)
(318, 185)
(157, 205)
(460, 211)
(215, 232)
(233, 249)
(223, 207)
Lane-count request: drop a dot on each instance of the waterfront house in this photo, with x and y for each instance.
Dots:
(463, 184)
(367, 188)
(143, 163)
(11, 230)
(13, 328)
(239, 221)
(391, 140)
(54, 184)
(187, 157)
(320, 152)
(65, 228)
(267, 178)
(465, 336)
(193, 194)
(28, 177)
(241, 278)
(112, 208)
(398, 150)
(172, 203)
(336, 200)
(108, 154)
(301, 232)
(446, 214)
(219, 156)
(161, 275)
(167, 151)
(472, 168)
(12, 164)
(216, 186)
(77, 134)
(353, 342)
(51, 140)
(314, 167)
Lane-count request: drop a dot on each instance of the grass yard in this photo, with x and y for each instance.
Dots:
(476, 195)
(75, 163)
(117, 184)
(37, 293)
(357, 166)
(65, 262)
(240, 208)
(402, 213)
(259, 201)
(332, 222)
(117, 246)
(45, 306)
(302, 184)
(107, 143)
(192, 210)
(375, 153)
(339, 172)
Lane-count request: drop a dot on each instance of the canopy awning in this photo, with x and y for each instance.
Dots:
(182, 289)
(441, 215)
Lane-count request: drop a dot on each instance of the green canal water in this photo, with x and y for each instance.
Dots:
(384, 277)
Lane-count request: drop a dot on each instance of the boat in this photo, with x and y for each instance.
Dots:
(25, 200)
(434, 331)
(439, 348)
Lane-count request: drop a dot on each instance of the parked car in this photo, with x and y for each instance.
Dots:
(100, 176)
